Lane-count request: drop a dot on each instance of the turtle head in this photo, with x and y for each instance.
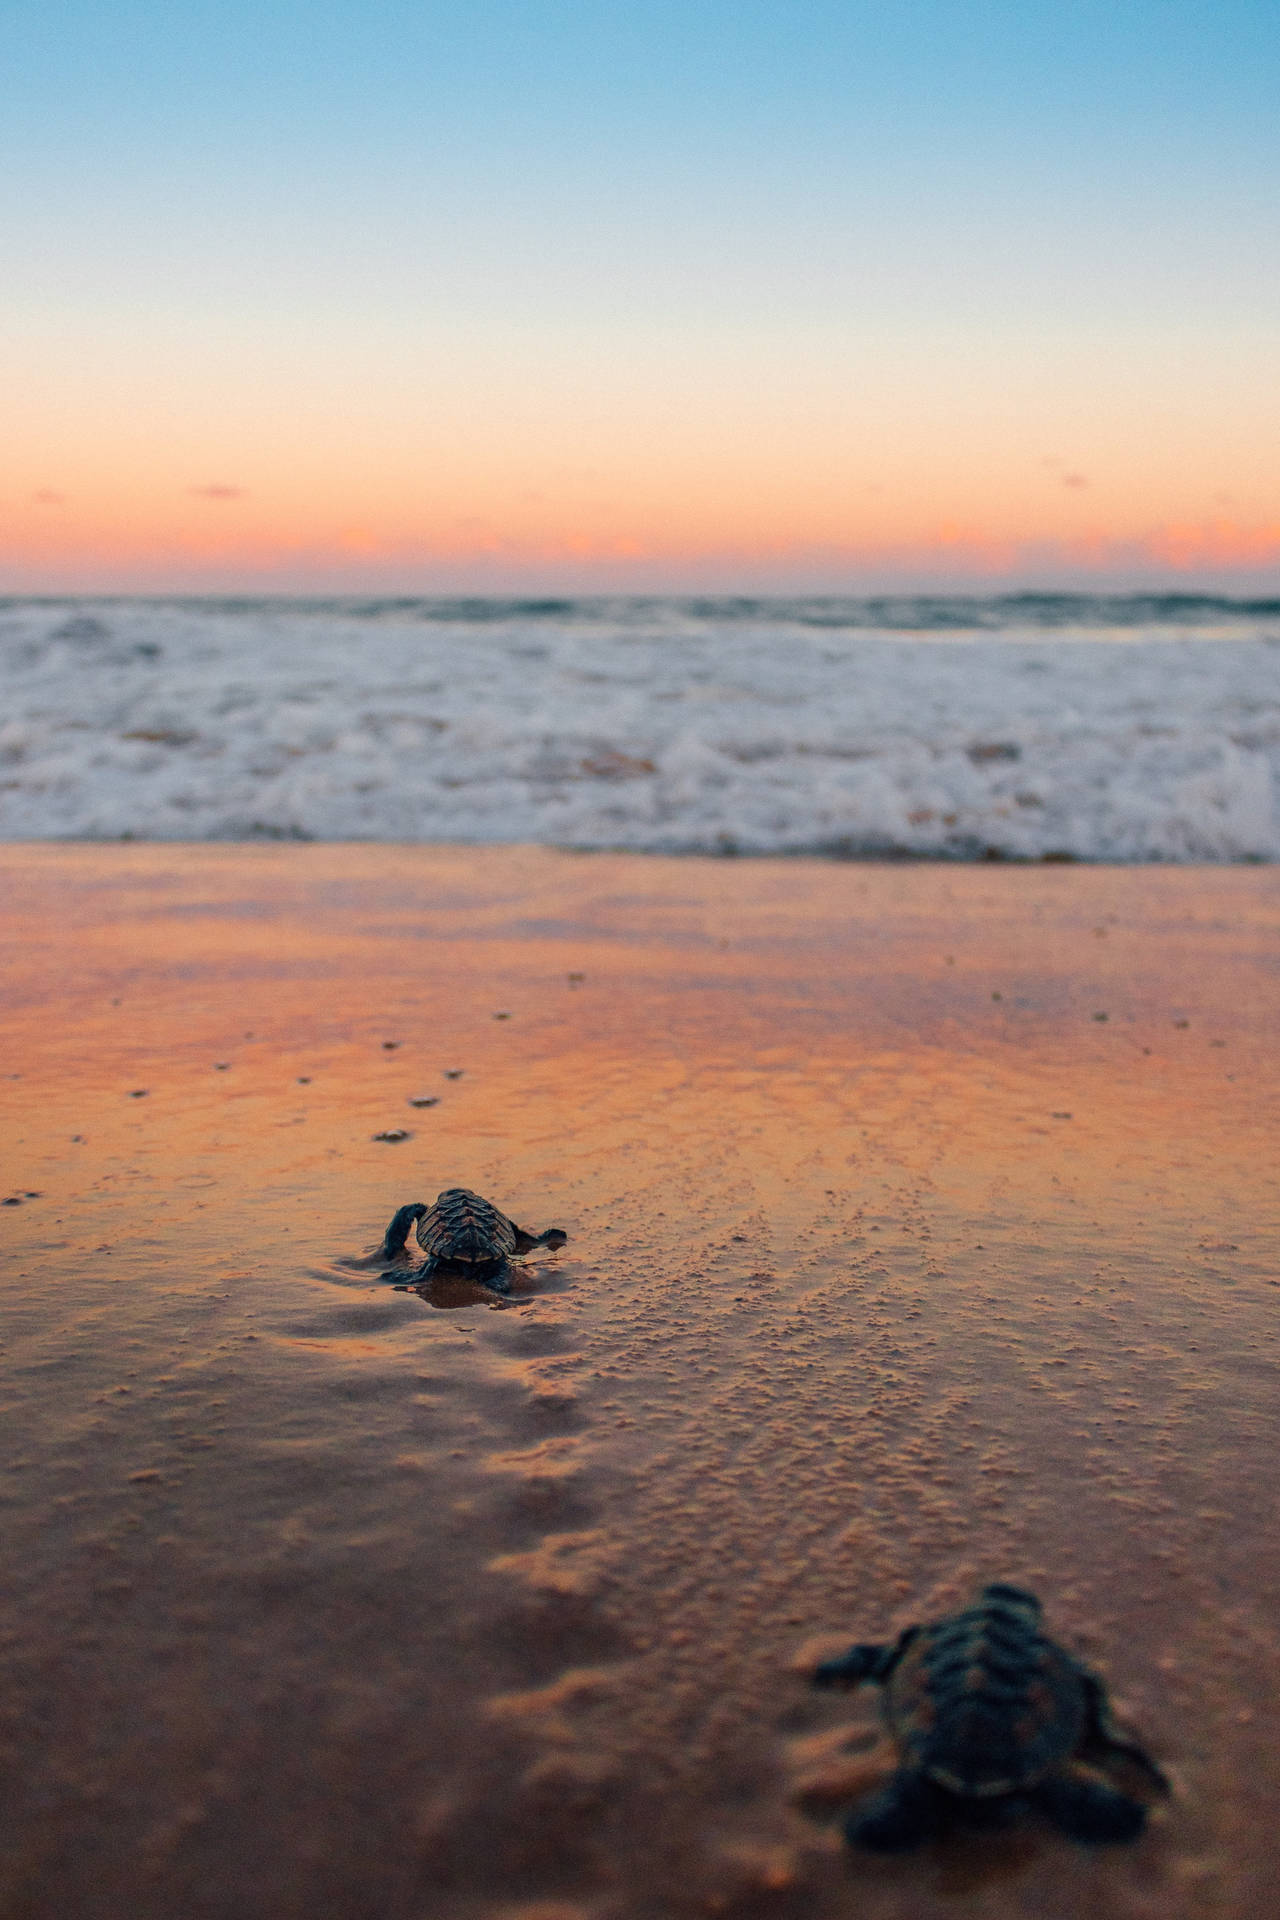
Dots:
(553, 1237)
(1013, 1599)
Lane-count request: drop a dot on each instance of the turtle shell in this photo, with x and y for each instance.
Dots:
(464, 1231)
(982, 1702)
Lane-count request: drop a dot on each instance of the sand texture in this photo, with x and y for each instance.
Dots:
(922, 1231)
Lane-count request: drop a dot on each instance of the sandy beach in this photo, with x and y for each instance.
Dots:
(922, 1231)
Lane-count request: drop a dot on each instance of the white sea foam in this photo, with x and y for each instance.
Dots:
(1025, 728)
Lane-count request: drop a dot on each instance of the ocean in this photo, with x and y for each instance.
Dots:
(1019, 727)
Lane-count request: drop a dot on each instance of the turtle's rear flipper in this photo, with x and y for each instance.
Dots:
(1087, 1810)
(526, 1242)
(397, 1234)
(905, 1811)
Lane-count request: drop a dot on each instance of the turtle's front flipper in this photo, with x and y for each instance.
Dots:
(396, 1237)
(526, 1242)
(1086, 1809)
(851, 1669)
(1104, 1740)
(863, 1662)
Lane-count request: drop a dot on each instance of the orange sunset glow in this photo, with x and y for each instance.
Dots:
(987, 302)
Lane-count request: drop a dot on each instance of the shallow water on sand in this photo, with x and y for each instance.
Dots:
(893, 1267)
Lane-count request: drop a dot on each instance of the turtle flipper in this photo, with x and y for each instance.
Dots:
(1089, 1810)
(850, 1669)
(1104, 1740)
(395, 1239)
(526, 1242)
(906, 1810)
(863, 1662)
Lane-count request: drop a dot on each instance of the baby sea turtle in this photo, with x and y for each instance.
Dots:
(463, 1234)
(990, 1717)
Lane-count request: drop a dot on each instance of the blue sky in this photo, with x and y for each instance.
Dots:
(799, 189)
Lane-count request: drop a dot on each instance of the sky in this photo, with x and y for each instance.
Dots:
(582, 296)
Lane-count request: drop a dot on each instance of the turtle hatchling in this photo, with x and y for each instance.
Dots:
(463, 1234)
(990, 1718)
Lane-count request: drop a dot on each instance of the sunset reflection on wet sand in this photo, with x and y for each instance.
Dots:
(922, 1230)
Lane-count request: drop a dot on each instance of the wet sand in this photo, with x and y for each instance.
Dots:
(922, 1231)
